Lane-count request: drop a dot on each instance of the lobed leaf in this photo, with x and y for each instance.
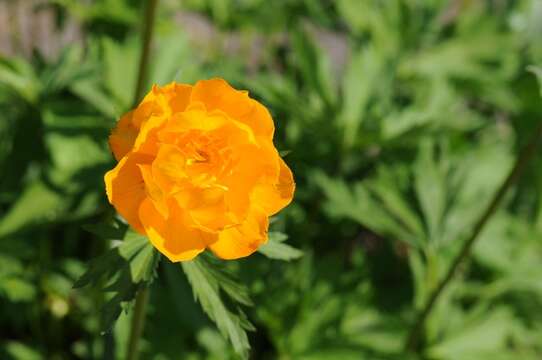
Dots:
(122, 271)
(275, 249)
(207, 279)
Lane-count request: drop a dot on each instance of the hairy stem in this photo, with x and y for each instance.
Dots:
(524, 157)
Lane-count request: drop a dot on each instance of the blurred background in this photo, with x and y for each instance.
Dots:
(400, 118)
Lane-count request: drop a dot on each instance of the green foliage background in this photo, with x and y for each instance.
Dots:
(401, 119)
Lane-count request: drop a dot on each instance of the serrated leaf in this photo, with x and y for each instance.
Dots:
(98, 268)
(275, 249)
(141, 266)
(359, 203)
(123, 270)
(228, 283)
(206, 281)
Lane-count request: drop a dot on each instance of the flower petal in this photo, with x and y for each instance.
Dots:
(123, 136)
(163, 101)
(242, 240)
(125, 187)
(171, 236)
(208, 210)
(217, 94)
(256, 165)
(146, 140)
(153, 191)
(272, 197)
(169, 168)
(155, 110)
(177, 96)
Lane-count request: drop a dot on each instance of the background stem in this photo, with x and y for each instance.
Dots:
(526, 154)
(146, 37)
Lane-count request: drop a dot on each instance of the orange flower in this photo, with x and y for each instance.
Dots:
(197, 169)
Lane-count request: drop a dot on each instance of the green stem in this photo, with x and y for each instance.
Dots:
(524, 157)
(138, 322)
(146, 37)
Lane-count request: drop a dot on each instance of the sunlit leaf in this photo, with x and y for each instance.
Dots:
(122, 271)
(276, 249)
(207, 281)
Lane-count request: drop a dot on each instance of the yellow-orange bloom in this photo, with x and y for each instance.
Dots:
(197, 169)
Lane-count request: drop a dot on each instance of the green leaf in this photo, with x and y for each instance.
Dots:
(114, 230)
(362, 204)
(121, 271)
(284, 153)
(207, 279)
(277, 236)
(362, 78)
(437, 107)
(172, 58)
(89, 91)
(394, 201)
(121, 69)
(275, 249)
(17, 350)
(484, 335)
(431, 189)
(19, 77)
(17, 289)
(25, 213)
(354, 14)
(68, 69)
(537, 71)
(314, 65)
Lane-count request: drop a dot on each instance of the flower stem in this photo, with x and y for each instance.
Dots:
(146, 37)
(524, 157)
(138, 322)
